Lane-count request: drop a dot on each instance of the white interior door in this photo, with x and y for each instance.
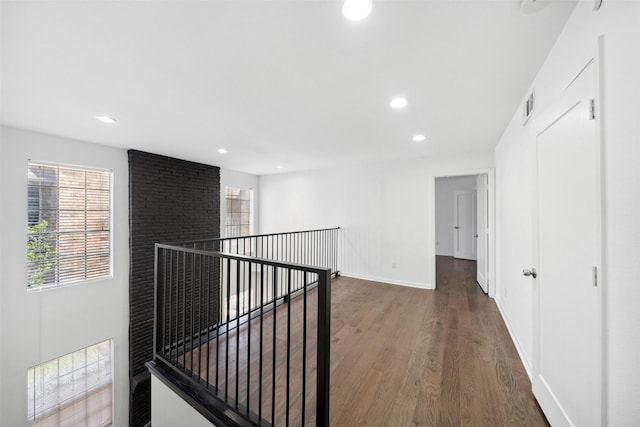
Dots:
(481, 232)
(567, 319)
(464, 224)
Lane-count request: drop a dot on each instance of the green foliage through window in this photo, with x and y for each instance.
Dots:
(41, 254)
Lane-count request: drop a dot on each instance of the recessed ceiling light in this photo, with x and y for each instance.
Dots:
(398, 102)
(106, 119)
(222, 151)
(356, 10)
(279, 167)
(418, 138)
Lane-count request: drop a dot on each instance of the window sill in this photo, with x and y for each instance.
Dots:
(46, 288)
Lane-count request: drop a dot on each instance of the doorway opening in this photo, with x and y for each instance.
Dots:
(462, 224)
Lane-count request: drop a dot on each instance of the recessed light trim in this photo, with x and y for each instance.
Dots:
(106, 119)
(356, 10)
(222, 150)
(399, 102)
(419, 137)
(279, 167)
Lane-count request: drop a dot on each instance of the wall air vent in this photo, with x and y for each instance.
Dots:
(528, 107)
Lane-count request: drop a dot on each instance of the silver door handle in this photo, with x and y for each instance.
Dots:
(533, 273)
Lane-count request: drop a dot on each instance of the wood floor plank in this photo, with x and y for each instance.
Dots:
(400, 356)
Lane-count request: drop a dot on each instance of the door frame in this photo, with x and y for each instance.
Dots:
(540, 123)
(491, 238)
(482, 197)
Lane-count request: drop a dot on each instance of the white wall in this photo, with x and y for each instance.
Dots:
(445, 189)
(1, 282)
(383, 208)
(514, 234)
(229, 178)
(170, 410)
(619, 22)
(41, 325)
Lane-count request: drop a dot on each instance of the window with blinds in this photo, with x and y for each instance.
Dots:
(239, 204)
(75, 389)
(69, 224)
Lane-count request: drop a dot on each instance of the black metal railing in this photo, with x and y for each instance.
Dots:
(231, 334)
(310, 247)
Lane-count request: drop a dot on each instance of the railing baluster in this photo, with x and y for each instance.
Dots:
(327, 248)
(161, 280)
(158, 340)
(184, 308)
(261, 244)
(330, 250)
(261, 337)
(238, 280)
(288, 340)
(298, 260)
(192, 314)
(200, 300)
(209, 308)
(244, 292)
(177, 302)
(170, 328)
(323, 348)
(336, 250)
(249, 345)
(273, 367)
(333, 251)
(226, 341)
(322, 248)
(220, 280)
(304, 348)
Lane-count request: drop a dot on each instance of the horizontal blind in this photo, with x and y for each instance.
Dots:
(69, 220)
(75, 389)
(238, 218)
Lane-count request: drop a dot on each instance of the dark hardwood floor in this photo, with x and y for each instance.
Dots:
(428, 358)
(400, 356)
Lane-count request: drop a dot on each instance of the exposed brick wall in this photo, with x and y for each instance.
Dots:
(170, 200)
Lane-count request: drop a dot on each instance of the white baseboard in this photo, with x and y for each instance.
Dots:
(389, 281)
(516, 343)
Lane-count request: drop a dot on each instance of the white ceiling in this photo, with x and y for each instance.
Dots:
(273, 82)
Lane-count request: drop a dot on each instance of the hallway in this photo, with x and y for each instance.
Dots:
(406, 356)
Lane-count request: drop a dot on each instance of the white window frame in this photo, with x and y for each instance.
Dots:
(59, 279)
(67, 387)
(228, 226)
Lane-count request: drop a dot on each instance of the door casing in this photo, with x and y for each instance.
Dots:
(490, 233)
(481, 231)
